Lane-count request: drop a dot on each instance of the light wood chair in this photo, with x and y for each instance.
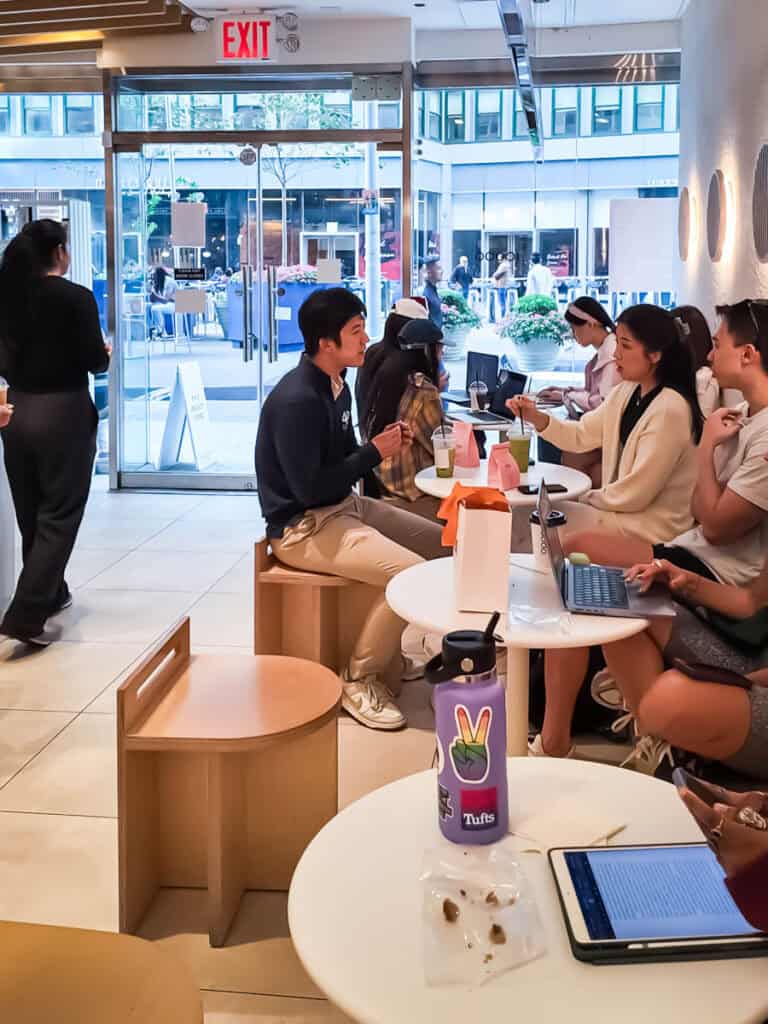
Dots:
(309, 614)
(73, 976)
(227, 768)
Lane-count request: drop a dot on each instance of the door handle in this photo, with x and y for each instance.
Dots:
(272, 328)
(246, 273)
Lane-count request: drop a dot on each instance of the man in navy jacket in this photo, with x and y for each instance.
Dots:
(307, 462)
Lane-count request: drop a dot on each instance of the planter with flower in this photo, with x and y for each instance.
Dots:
(296, 283)
(458, 320)
(537, 331)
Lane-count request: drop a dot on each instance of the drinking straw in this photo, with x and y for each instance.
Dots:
(522, 423)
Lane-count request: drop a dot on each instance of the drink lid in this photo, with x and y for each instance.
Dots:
(466, 652)
(555, 518)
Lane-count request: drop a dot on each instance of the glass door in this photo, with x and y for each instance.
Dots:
(218, 246)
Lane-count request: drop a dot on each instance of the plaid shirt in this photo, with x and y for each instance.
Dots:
(421, 408)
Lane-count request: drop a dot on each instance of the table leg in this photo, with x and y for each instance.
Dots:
(517, 701)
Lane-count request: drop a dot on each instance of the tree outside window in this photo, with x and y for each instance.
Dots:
(207, 112)
(250, 111)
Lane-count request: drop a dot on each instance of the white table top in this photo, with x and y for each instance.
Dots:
(424, 596)
(578, 483)
(355, 915)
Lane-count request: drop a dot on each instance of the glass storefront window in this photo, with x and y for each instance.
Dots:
(488, 115)
(250, 112)
(432, 116)
(455, 127)
(520, 122)
(38, 115)
(389, 115)
(5, 115)
(565, 113)
(207, 112)
(558, 251)
(649, 108)
(79, 115)
(606, 110)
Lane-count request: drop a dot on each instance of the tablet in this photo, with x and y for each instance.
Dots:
(627, 904)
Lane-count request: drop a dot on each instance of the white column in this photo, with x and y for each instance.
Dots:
(374, 324)
(723, 100)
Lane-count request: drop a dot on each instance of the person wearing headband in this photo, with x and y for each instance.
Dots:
(406, 386)
(591, 325)
(698, 337)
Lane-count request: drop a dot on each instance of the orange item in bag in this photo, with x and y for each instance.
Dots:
(467, 455)
(470, 497)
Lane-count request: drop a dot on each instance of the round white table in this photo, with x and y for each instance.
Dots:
(424, 595)
(354, 911)
(577, 483)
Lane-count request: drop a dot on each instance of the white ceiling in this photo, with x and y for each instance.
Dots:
(463, 14)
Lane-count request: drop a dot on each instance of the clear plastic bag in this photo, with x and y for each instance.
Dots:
(479, 915)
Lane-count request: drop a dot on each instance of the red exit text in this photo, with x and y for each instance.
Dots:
(245, 39)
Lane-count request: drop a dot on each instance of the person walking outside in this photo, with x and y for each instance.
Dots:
(540, 278)
(462, 278)
(50, 340)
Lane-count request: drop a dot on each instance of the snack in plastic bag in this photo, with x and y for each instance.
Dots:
(479, 915)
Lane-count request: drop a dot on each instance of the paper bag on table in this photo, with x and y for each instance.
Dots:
(478, 527)
(503, 470)
(467, 455)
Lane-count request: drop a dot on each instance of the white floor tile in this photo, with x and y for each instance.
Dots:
(236, 1008)
(166, 570)
(63, 677)
(23, 734)
(132, 505)
(123, 536)
(57, 869)
(223, 620)
(239, 580)
(121, 616)
(86, 563)
(75, 774)
(226, 508)
(221, 536)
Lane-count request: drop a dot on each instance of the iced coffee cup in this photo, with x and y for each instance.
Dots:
(444, 445)
(520, 446)
(3, 391)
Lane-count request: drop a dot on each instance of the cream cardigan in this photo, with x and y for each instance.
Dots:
(647, 487)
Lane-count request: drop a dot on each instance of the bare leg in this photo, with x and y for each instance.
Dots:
(636, 663)
(606, 548)
(564, 672)
(708, 719)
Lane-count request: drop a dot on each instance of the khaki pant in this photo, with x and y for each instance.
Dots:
(370, 542)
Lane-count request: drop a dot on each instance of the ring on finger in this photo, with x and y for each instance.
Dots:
(717, 831)
(752, 819)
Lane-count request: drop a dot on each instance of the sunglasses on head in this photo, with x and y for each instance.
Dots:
(753, 304)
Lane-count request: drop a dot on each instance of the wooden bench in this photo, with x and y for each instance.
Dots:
(227, 768)
(74, 976)
(310, 614)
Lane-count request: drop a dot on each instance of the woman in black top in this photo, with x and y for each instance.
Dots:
(50, 340)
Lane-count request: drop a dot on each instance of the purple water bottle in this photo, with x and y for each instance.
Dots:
(471, 726)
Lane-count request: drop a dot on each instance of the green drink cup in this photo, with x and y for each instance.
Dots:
(520, 447)
(444, 445)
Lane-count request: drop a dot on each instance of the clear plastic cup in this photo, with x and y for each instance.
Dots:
(520, 446)
(478, 396)
(444, 445)
(3, 391)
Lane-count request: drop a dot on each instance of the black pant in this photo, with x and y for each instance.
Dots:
(50, 445)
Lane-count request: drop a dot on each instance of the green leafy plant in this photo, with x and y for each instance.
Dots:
(456, 310)
(536, 318)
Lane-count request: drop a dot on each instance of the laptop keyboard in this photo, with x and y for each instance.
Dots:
(486, 417)
(595, 586)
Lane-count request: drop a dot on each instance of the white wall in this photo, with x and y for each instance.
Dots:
(723, 104)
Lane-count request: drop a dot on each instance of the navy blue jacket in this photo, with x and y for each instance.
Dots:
(307, 455)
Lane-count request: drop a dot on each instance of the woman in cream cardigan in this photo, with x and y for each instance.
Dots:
(647, 427)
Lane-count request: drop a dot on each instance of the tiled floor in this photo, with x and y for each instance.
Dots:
(142, 561)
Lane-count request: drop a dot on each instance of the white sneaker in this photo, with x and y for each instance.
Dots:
(412, 669)
(605, 690)
(369, 702)
(536, 748)
(647, 754)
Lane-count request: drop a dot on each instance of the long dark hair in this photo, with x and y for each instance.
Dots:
(699, 339)
(380, 404)
(27, 259)
(159, 275)
(657, 331)
(592, 308)
(374, 357)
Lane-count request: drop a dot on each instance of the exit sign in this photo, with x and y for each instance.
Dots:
(242, 40)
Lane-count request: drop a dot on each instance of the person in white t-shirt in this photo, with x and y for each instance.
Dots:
(540, 278)
(729, 504)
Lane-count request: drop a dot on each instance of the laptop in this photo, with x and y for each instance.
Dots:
(598, 589)
(480, 366)
(508, 385)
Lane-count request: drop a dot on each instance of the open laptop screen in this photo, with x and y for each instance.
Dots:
(552, 535)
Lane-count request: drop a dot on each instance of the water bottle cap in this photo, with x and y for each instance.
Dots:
(554, 519)
(466, 652)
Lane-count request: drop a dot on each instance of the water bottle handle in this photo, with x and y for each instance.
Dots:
(436, 672)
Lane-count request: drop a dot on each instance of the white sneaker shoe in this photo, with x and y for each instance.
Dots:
(605, 691)
(647, 754)
(536, 748)
(369, 702)
(413, 669)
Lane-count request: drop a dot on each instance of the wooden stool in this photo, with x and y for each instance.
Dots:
(73, 976)
(310, 614)
(227, 768)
